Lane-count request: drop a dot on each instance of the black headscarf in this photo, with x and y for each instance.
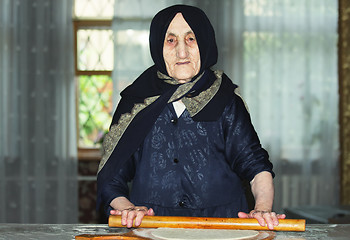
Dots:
(150, 84)
(199, 24)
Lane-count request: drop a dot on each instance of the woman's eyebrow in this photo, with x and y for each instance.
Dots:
(173, 34)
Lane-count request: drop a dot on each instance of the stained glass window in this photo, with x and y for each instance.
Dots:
(94, 64)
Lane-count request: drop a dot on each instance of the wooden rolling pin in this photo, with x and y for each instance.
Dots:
(210, 223)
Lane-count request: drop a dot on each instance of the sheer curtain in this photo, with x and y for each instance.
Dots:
(38, 171)
(283, 54)
(131, 24)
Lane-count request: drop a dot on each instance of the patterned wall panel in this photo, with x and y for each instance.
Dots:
(87, 193)
(344, 99)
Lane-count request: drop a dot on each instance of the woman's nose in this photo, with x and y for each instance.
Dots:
(182, 50)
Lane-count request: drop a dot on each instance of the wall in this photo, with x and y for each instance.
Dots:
(344, 98)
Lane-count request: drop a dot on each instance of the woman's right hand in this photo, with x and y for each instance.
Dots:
(129, 212)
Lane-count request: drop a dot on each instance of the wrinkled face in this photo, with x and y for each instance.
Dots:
(180, 50)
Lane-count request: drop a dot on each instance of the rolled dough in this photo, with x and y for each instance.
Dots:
(202, 234)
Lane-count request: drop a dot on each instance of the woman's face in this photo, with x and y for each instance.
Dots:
(180, 50)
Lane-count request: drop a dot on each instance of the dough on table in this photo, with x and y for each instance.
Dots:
(202, 234)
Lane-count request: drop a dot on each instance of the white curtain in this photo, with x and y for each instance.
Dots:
(283, 55)
(38, 167)
(131, 23)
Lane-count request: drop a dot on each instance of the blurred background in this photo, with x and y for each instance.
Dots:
(63, 64)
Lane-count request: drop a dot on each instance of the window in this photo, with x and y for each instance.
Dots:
(93, 68)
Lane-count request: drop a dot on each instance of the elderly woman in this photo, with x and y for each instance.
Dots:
(182, 135)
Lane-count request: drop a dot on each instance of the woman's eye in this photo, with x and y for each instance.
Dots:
(191, 39)
(171, 40)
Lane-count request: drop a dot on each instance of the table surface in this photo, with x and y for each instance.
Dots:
(322, 214)
(69, 231)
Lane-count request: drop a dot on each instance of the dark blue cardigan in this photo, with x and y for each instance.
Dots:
(191, 168)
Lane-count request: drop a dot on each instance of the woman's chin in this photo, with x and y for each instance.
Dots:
(184, 78)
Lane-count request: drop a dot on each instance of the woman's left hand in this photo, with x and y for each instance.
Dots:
(263, 217)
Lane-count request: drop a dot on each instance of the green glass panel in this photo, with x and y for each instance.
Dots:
(95, 109)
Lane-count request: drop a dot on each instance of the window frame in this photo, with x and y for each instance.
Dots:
(85, 153)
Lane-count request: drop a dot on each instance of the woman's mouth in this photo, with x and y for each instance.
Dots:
(182, 63)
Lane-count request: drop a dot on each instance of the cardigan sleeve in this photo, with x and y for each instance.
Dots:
(243, 149)
(118, 186)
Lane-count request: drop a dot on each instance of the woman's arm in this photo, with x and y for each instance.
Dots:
(263, 191)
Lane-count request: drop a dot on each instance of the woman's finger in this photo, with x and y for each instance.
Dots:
(243, 215)
(258, 215)
(275, 219)
(150, 212)
(281, 216)
(269, 219)
(130, 218)
(139, 216)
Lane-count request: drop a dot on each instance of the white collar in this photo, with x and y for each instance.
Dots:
(179, 107)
